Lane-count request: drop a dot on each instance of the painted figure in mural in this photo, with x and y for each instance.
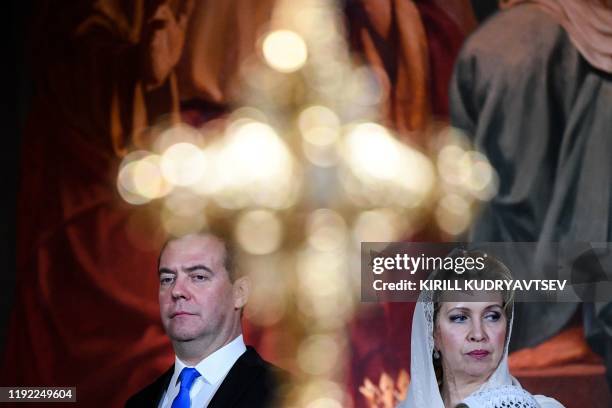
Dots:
(532, 98)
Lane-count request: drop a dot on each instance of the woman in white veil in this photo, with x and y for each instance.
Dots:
(500, 389)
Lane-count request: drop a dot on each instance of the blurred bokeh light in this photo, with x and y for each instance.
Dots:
(259, 232)
(284, 50)
(453, 214)
(302, 171)
(183, 164)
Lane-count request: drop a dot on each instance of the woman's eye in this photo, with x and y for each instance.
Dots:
(458, 318)
(493, 317)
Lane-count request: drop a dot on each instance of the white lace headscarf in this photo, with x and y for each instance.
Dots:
(501, 390)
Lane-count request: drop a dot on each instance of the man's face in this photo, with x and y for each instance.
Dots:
(196, 297)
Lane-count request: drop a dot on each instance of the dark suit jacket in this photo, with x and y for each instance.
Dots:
(251, 382)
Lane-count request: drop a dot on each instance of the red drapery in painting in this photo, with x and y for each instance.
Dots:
(86, 311)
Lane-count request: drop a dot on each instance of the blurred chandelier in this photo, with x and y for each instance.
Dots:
(304, 173)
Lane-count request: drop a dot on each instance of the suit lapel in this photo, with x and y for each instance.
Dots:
(237, 380)
(159, 387)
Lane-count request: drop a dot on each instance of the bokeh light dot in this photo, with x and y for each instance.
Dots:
(259, 232)
(377, 226)
(183, 164)
(453, 214)
(285, 51)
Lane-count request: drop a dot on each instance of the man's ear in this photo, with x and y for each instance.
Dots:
(241, 290)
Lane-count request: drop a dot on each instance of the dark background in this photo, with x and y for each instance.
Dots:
(17, 95)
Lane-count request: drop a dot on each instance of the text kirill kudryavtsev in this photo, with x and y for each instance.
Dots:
(472, 285)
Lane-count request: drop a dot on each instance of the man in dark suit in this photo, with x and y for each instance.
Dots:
(201, 298)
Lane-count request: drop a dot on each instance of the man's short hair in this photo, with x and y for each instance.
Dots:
(229, 260)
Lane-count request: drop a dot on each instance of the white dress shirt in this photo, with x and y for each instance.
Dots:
(213, 370)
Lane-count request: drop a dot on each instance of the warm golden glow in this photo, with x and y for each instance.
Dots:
(364, 88)
(320, 128)
(126, 188)
(372, 151)
(259, 232)
(324, 403)
(301, 173)
(319, 272)
(318, 355)
(451, 166)
(178, 225)
(253, 167)
(178, 133)
(249, 113)
(285, 51)
(257, 151)
(183, 164)
(184, 203)
(270, 291)
(382, 171)
(315, 117)
(147, 177)
(139, 180)
(320, 136)
(326, 230)
(382, 225)
(453, 214)
(125, 178)
(324, 292)
(322, 394)
(482, 182)
(322, 156)
(467, 172)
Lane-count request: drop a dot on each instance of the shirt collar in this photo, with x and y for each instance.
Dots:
(214, 367)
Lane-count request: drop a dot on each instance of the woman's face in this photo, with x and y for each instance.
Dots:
(470, 337)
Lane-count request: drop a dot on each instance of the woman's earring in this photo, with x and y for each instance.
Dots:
(436, 354)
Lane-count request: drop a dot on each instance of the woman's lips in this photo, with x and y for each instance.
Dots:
(478, 354)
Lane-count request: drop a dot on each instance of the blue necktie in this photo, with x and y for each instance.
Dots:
(186, 377)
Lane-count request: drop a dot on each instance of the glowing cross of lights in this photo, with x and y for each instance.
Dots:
(304, 178)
